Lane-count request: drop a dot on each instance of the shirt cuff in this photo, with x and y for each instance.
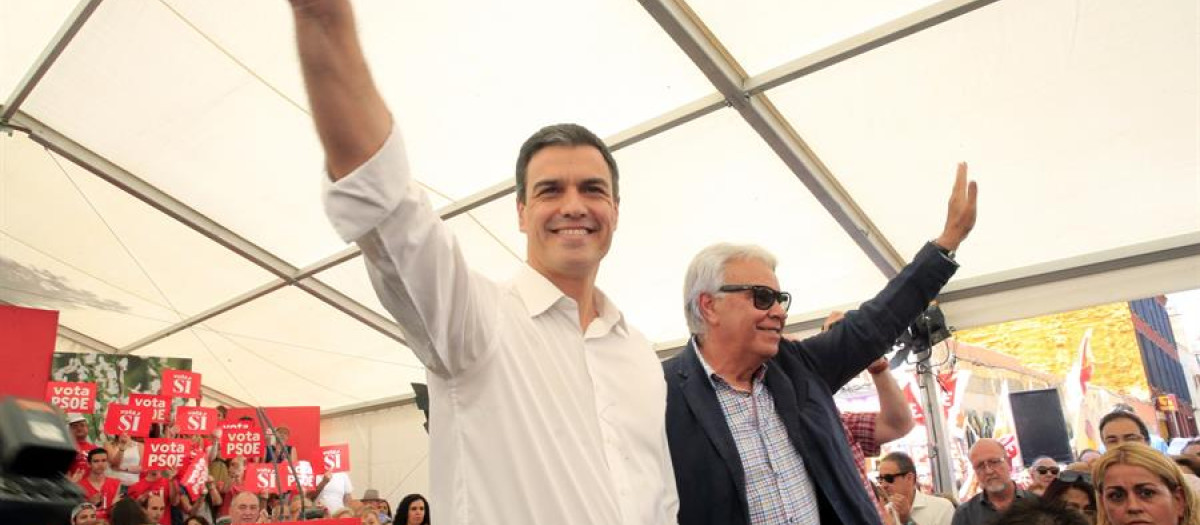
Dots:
(358, 202)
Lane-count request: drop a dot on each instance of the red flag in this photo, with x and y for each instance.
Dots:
(194, 476)
(918, 414)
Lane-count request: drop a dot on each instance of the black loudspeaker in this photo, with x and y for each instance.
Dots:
(1041, 426)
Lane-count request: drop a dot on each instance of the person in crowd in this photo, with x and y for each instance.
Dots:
(156, 509)
(378, 505)
(246, 509)
(898, 478)
(1088, 455)
(867, 431)
(79, 433)
(227, 479)
(84, 514)
(1189, 463)
(368, 516)
(335, 490)
(1043, 471)
(551, 334)
(196, 520)
(753, 430)
(128, 512)
(1123, 426)
(281, 450)
(1039, 512)
(125, 458)
(412, 510)
(156, 483)
(1074, 490)
(994, 473)
(99, 489)
(1192, 448)
(1136, 484)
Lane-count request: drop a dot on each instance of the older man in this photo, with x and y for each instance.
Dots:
(245, 509)
(898, 477)
(755, 437)
(994, 473)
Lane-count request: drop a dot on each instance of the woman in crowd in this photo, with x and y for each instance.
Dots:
(1074, 490)
(415, 510)
(368, 516)
(1041, 474)
(124, 458)
(1137, 484)
(84, 514)
(196, 520)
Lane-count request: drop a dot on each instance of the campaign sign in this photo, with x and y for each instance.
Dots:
(239, 438)
(164, 454)
(125, 419)
(72, 397)
(180, 383)
(336, 458)
(195, 420)
(261, 477)
(158, 405)
(194, 476)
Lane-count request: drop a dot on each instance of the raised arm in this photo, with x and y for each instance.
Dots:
(895, 419)
(351, 117)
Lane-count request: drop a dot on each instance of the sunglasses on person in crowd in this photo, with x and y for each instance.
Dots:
(1044, 470)
(891, 478)
(1071, 476)
(764, 296)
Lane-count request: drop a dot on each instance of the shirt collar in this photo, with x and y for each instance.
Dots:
(539, 295)
(708, 370)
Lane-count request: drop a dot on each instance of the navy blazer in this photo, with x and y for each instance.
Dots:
(802, 378)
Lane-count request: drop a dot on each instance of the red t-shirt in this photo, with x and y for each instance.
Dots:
(81, 463)
(107, 491)
(159, 488)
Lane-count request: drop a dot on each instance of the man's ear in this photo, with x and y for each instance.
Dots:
(521, 215)
(708, 308)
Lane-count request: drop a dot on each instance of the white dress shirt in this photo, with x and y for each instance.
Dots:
(531, 419)
(931, 510)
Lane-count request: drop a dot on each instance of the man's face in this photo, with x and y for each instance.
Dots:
(79, 430)
(245, 508)
(98, 464)
(734, 317)
(1192, 449)
(570, 213)
(1044, 471)
(155, 508)
(905, 483)
(1121, 430)
(991, 466)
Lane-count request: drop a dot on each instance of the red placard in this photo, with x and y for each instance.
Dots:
(125, 419)
(195, 420)
(240, 438)
(304, 424)
(72, 397)
(326, 521)
(336, 458)
(27, 345)
(164, 454)
(194, 476)
(262, 476)
(180, 383)
(158, 405)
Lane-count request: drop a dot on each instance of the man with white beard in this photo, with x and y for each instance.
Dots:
(998, 493)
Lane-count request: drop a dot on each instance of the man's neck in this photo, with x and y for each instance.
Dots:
(736, 368)
(96, 479)
(1001, 500)
(581, 288)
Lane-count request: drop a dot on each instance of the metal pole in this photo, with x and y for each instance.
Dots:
(940, 460)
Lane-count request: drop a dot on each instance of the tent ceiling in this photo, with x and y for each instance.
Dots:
(166, 199)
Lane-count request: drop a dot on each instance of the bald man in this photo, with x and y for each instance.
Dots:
(245, 509)
(994, 473)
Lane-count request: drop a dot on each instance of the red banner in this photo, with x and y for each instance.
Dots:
(27, 344)
(180, 383)
(195, 420)
(125, 419)
(72, 397)
(336, 458)
(239, 438)
(158, 405)
(164, 454)
(194, 476)
(914, 406)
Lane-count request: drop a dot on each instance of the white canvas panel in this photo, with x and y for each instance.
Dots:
(1078, 120)
(117, 268)
(762, 34)
(25, 30)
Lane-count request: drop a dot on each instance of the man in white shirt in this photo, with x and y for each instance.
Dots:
(334, 491)
(545, 406)
(898, 477)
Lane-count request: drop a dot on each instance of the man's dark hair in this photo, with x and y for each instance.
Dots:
(98, 450)
(1058, 488)
(1038, 512)
(1125, 414)
(127, 511)
(903, 462)
(563, 135)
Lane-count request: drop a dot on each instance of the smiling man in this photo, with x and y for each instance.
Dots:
(755, 437)
(546, 407)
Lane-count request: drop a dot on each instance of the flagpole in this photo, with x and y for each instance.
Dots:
(935, 426)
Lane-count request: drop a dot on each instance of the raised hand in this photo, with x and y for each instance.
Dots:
(960, 212)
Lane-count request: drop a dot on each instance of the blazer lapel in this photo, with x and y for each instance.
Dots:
(788, 396)
(702, 399)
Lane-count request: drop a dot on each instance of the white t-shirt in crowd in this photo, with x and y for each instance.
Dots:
(334, 493)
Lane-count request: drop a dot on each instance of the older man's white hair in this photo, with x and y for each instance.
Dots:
(706, 274)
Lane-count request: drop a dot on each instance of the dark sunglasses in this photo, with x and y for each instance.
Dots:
(1071, 476)
(764, 297)
(891, 478)
(1044, 470)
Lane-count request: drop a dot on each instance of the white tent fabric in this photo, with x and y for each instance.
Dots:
(160, 186)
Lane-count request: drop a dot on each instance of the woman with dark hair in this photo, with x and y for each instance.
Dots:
(1074, 490)
(415, 510)
(196, 520)
(127, 511)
